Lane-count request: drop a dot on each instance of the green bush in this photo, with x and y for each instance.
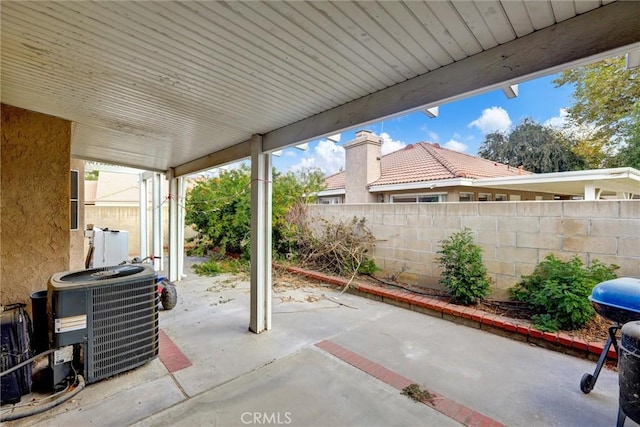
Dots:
(215, 267)
(558, 292)
(219, 210)
(464, 274)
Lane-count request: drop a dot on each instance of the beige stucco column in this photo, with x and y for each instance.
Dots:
(362, 166)
(35, 201)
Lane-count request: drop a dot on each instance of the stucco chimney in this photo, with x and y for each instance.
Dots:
(362, 166)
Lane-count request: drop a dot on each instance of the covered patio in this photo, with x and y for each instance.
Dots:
(180, 87)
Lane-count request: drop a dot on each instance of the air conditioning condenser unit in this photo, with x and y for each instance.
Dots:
(103, 321)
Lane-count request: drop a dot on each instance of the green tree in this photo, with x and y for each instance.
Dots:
(607, 99)
(219, 208)
(536, 147)
(629, 153)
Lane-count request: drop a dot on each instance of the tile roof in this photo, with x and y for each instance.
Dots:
(335, 181)
(424, 161)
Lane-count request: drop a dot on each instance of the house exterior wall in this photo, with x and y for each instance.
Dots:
(514, 236)
(453, 193)
(35, 200)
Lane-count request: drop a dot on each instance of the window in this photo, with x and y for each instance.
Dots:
(74, 206)
(501, 198)
(466, 197)
(484, 197)
(515, 198)
(419, 198)
(329, 200)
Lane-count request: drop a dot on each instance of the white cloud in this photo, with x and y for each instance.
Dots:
(559, 121)
(562, 123)
(326, 156)
(389, 145)
(491, 120)
(456, 146)
(329, 157)
(434, 137)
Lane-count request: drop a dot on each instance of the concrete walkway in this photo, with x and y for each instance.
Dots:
(334, 360)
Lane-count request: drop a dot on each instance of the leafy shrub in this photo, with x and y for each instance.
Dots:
(368, 266)
(219, 210)
(464, 275)
(558, 292)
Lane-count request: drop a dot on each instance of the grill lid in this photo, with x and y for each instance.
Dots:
(622, 293)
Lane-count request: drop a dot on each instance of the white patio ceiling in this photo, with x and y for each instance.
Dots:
(184, 85)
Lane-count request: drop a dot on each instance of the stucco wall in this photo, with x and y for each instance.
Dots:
(514, 236)
(35, 174)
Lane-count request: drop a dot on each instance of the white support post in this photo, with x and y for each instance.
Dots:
(261, 192)
(176, 224)
(589, 191)
(181, 215)
(156, 201)
(143, 204)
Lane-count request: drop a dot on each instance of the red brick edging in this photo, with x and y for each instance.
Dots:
(170, 355)
(448, 407)
(467, 316)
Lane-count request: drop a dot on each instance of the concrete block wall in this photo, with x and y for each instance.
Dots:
(514, 236)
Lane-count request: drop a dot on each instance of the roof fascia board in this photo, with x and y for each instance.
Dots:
(219, 158)
(102, 167)
(605, 31)
(422, 185)
(131, 166)
(326, 193)
(572, 176)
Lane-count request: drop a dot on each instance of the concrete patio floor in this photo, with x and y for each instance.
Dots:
(330, 364)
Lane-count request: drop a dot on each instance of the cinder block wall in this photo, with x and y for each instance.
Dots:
(514, 236)
(123, 218)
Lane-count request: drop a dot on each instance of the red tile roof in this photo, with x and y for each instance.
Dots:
(335, 181)
(429, 162)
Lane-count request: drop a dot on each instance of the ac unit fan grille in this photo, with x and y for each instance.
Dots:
(124, 331)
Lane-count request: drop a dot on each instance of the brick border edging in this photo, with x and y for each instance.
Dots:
(454, 410)
(170, 354)
(467, 316)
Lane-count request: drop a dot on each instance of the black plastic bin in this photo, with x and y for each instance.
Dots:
(40, 322)
(629, 373)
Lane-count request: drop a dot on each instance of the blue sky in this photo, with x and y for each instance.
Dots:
(460, 125)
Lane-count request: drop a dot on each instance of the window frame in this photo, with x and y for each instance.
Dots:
(74, 200)
(442, 197)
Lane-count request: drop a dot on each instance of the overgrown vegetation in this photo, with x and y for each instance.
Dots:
(339, 247)
(216, 266)
(219, 209)
(464, 274)
(558, 292)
